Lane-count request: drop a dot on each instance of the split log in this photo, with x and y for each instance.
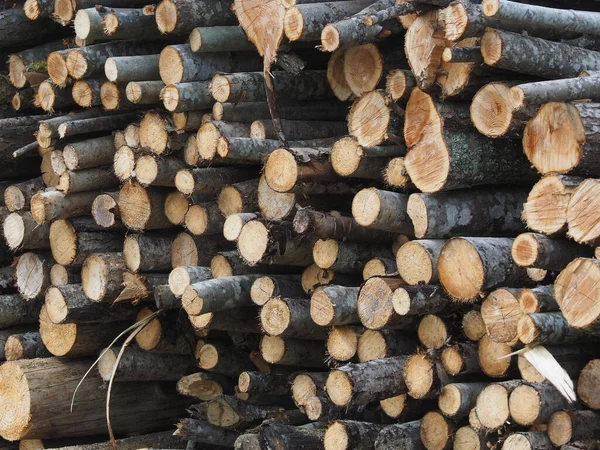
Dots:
(78, 339)
(386, 128)
(198, 431)
(571, 124)
(292, 352)
(366, 382)
(69, 304)
(249, 86)
(102, 276)
(32, 274)
(569, 426)
(182, 17)
(32, 380)
(417, 261)
(138, 365)
(87, 61)
(224, 359)
(238, 198)
(334, 305)
(142, 209)
(218, 294)
(178, 64)
(257, 243)
(205, 386)
(402, 435)
(488, 262)
(528, 441)
(122, 69)
(144, 92)
(189, 96)
(375, 306)
(345, 434)
(105, 210)
(289, 317)
(189, 250)
(71, 243)
(382, 210)
(548, 328)
(21, 232)
(429, 213)
(546, 208)
(576, 303)
(473, 325)
(147, 252)
(457, 399)
(342, 342)
(535, 56)
(541, 252)
(209, 181)
(208, 39)
(346, 256)
(266, 287)
(492, 404)
(377, 344)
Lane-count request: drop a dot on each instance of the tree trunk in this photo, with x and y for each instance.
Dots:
(379, 267)
(95, 124)
(402, 435)
(492, 404)
(431, 216)
(181, 17)
(224, 359)
(292, 352)
(147, 252)
(208, 39)
(249, 112)
(189, 96)
(50, 97)
(89, 153)
(346, 256)
(387, 127)
(238, 198)
(115, 23)
(102, 276)
(357, 435)
(35, 378)
(32, 274)
(142, 209)
(88, 179)
(114, 96)
(378, 344)
(209, 181)
(366, 382)
(87, 61)
(253, 151)
(249, 87)
(144, 92)
(25, 346)
(417, 261)
(535, 56)
(549, 328)
(16, 311)
(297, 322)
(546, 208)
(198, 431)
(461, 359)
(457, 399)
(254, 382)
(18, 31)
(86, 93)
(105, 210)
(178, 64)
(286, 437)
(68, 304)
(21, 232)
(569, 426)
(188, 250)
(334, 306)
(541, 252)
(266, 287)
(150, 170)
(122, 69)
(488, 262)
(298, 130)
(535, 403)
(218, 294)
(382, 210)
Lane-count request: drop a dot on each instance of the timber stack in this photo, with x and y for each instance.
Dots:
(300, 225)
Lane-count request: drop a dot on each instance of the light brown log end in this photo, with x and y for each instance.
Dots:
(303, 387)
(191, 301)
(170, 63)
(576, 292)
(153, 133)
(166, 16)
(560, 428)
(339, 387)
(104, 210)
(170, 97)
(582, 213)
(106, 364)
(58, 339)
(371, 345)
(57, 68)
(325, 252)
(94, 277)
(272, 349)
(461, 270)
(220, 267)
(281, 170)
(524, 404)
(419, 375)
(76, 64)
(63, 242)
(432, 332)
(395, 174)
(336, 437)
(124, 163)
(346, 155)
(151, 334)
(394, 406)
(450, 400)
(342, 343)
(275, 317)
(16, 396)
(415, 264)
(135, 206)
(473, 325)
(176, 207)
(369, 119)
(374, 305)
(492, 406)
(435, 431)
(501, 312)
(492, 357)
(110, 95)
(363, 68)
(322, 309)
(314, 276)
(366, 206)
(336, 77)
(491, 47)
(253, 241)
(546, 207)
(14, 230)
(330, 38)
(490, 7)
(492, 109)
(588, 385)
(230, 201)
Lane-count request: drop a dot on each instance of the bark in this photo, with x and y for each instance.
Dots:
(147, 252)
(18, 31)
(366, 382)
(254, 382)
(87, 61)
(68, 304)
(189, 96)
(164, 298)
(144, 92)
(25, 346)
(224, 359)
(209, 181)
(248, 112)
(528, 441)
(122, 69)
(535, 403)
(95, 124)
(87, 180)
(515, 52)
(286, 437)
(242, 320)
(199, 431)
(292, 352)
(334, 305)
(379, 267)
(549, 328)
(121, 23)
(298, 130)
(266, 287)
(493, 266)
(541, 252)
(382, 210)
(16, 311)
(208, 39)
(178, 64)
(160, 439)
(249, 87)
(29, 59)
(481, 213)
(150, 170)
(346, 256)
(182, 16)
(139, 365)
(23, 100)
(45, 416)
(162, 335)
(21, 232)
(565, 90)
(218, 294)
(462, 55)
(252, 151)
(457, 399)
(32, 274)
(402, 435)
(297, 322)
(89, 153)
(86, 93)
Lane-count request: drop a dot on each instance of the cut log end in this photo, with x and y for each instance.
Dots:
(560, 428)
(230, 201)
(346, 156)
(176, 207)
(220, 88)
(491, 47)
(170, 97)
(473, 325)
(184, 181)
(461, 270)
(104, 210)
(45, 97)
(394, 406)
(166, 16)
(587, 384)
(253, 241)
(419, 375)
(281, 170)
(150, 336)
(325, 252)
(546, 207)
(63, 242)
(111, 96)
(492, 357)
(582, 218)
(501, 312)
(330, 38)
(363, 68)
(525, 249)
(575, 292)
(57, 68)
(56, 305)
(492, 109)
(366, 207)
(374, 306)
(135, 206)
(17, 68)
(76, 64)
(415, 264)
(322, 309)
(369, 119)
(432, 332)
(272, 349)
(342, 343)
(15, 391)
(30, 275)
(397, 84)
(492, 406)
(450, 400)
(524, 404)
(336, 437)
(436, 433)
(336, 77)
(170, 64)
(339, 388)
(14, 230)
(95, 277)
(372, 345)
(220, 267)
(314, 276)
(275, 316)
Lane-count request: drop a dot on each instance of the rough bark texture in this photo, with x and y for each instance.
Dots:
(182, 16)
(402, 435)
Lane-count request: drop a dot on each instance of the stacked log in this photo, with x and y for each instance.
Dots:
(274, 246)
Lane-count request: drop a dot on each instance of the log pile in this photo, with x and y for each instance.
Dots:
(300, 225)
